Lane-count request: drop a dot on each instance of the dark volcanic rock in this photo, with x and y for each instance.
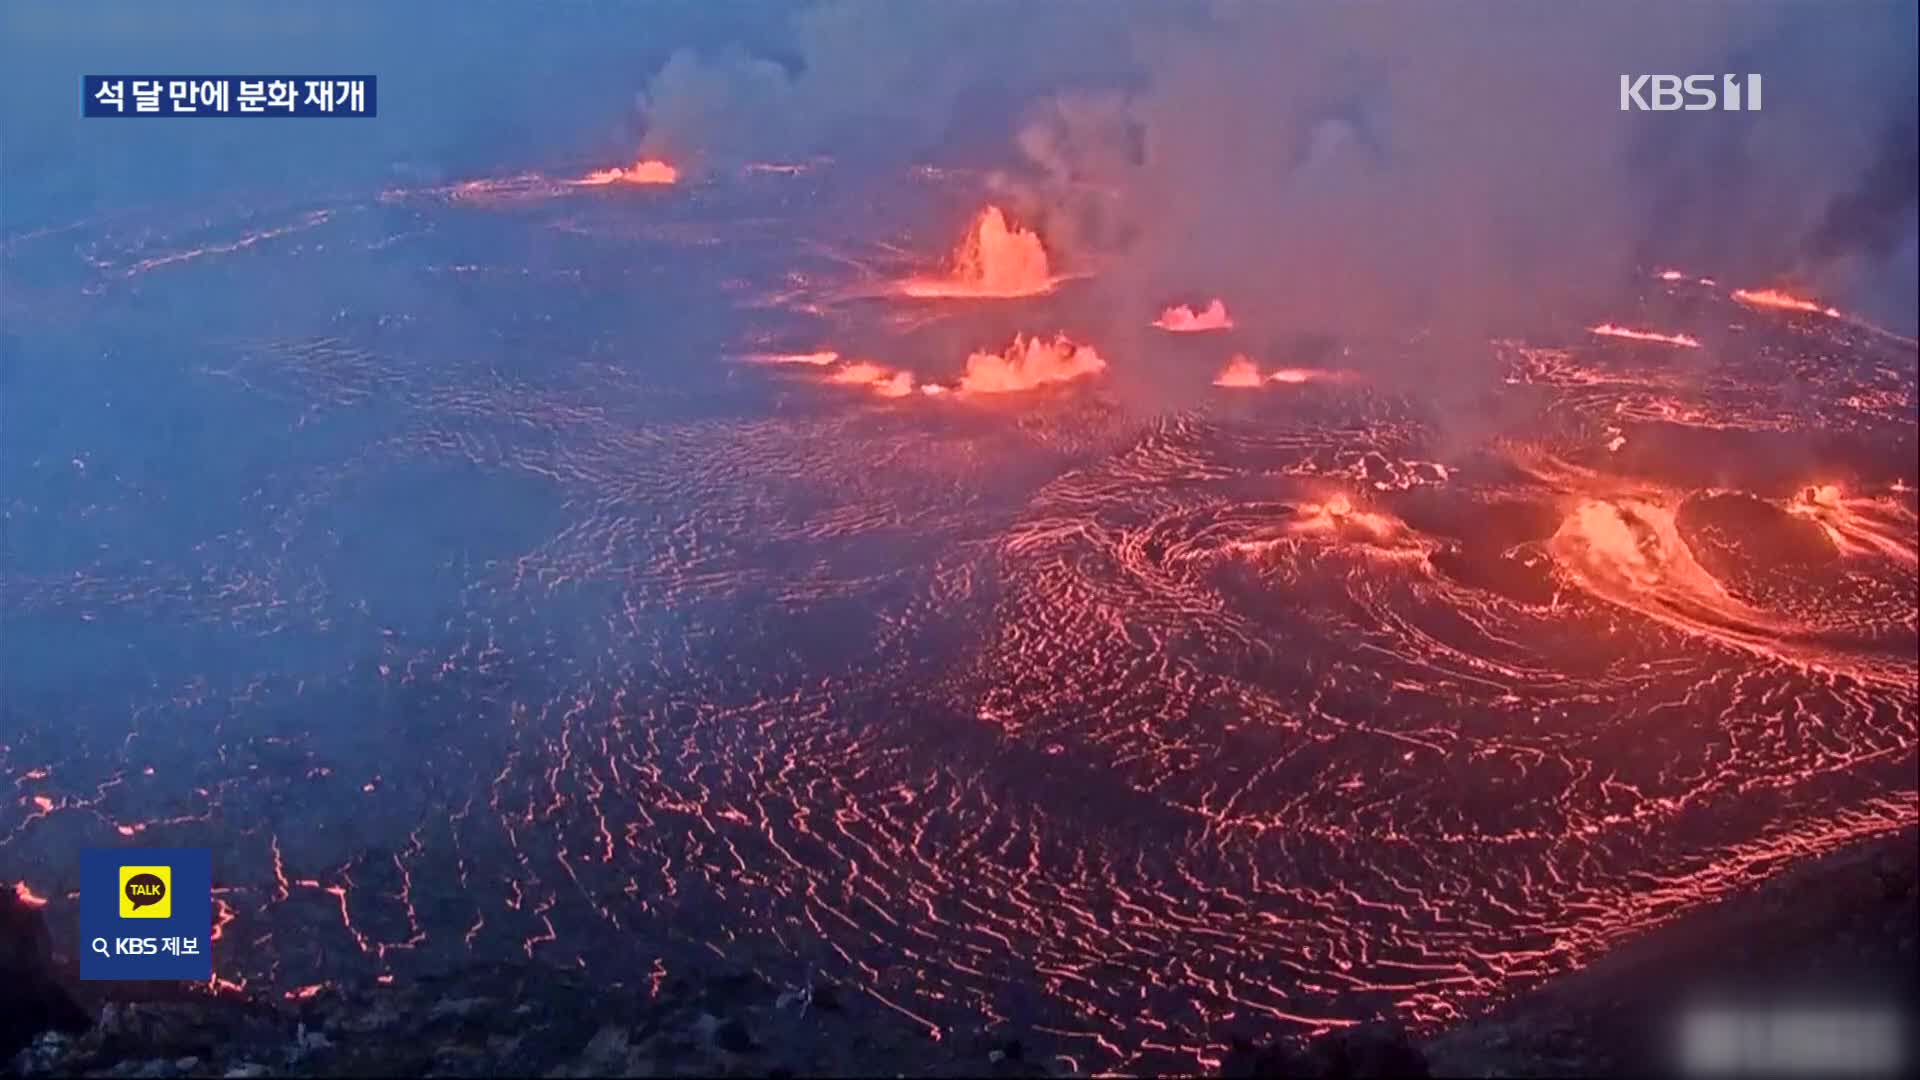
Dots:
(1842, 923)
(1370, 1050)
(32, 998)
(1367, 1050)
(732, 1036)
(1837, 930)
(825, 997)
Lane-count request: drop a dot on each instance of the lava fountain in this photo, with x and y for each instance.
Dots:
(996, 259)
(1028, 363)
(882, 380)
(1023, 365)
(1241, 373)
(645, 171)
(1182, 319)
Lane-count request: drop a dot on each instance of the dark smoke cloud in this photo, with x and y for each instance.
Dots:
(1464, 168)
(1805, 193)
(1454, 169)
(1328, 168)
(1868, 217)
(1353, 171)
(1865, 247)
(465, 90)
(1872, 220)
(882, 78)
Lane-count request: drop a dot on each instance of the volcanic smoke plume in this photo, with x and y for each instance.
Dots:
(1363, 189)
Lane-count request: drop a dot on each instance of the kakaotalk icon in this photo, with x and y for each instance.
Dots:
(144, 892)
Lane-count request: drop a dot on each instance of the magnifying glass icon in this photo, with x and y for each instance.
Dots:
(100, 946)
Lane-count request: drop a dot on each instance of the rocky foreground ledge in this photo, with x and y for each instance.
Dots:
(1846, 921)
(510, 1019)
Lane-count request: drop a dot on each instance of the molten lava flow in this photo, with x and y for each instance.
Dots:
(646, 171)
(1241, 373)
(1780, 301)
(996, 259)
(1297, 376)
(1677, 275)
(1774, 298)
(1029, 362)
(1184, 320)
(823, 358)
(25, 894)
(882, 380)
(1336, 521)
(490, 189)
(1629, 552)
(1338, 515)
(1860, 527)
(1610, 330)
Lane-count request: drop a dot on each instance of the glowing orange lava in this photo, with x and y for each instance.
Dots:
(1241, 373)
(1774, 298)
(1859, 527)
(823, 358)
(1182, 319)
(1297, 376)
(1628, 551)
(1678, 275)
(996, 259)
(1029, 362)
(646, 171)
(27, 896)
(1610, 330)
(882, 380)
(1339, 515)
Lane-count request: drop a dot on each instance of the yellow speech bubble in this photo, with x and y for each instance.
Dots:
(146, 892)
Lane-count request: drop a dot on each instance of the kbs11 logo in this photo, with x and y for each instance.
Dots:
(1689, 93)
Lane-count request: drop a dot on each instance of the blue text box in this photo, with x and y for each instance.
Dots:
(141, 945)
